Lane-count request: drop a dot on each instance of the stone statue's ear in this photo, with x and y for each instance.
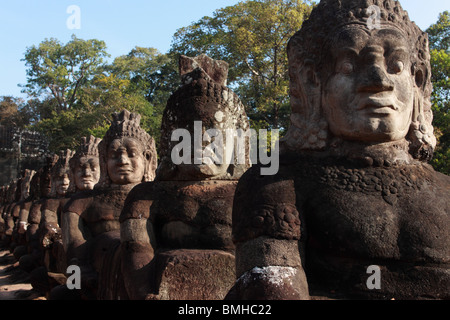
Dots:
(420, 75)
(150, 167)
(147, 155)
(309, 73)
(305, 88)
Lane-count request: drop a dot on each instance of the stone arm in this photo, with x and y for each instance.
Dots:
(9, 220)
(136, 236)
(32, 234)
(75, 238)
(266, 232)
(49, 227)
(22, 223)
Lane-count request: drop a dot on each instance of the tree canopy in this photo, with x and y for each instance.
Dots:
(439, 37)
(75, 91)
(61, 70)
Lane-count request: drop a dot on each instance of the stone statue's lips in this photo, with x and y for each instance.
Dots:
(379, 103)
(124, 171)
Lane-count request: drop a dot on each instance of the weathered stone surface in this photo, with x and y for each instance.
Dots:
(217, 70)
(270, 283)
(20, 150)
(42, 191)
(50, 232)
(193, 274)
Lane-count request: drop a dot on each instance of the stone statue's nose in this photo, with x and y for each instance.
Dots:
(87, 172)
(123, 159)
(375, 80)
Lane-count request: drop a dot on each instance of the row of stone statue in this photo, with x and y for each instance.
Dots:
(353, 192)
(71, 212)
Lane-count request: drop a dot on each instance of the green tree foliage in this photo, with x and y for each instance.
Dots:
(14, 112)
(151, 75)
(252, 37)
(61, 70)
(92, 114)
(439, 36)
(74, 91)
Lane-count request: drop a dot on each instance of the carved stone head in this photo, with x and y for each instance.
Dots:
(127, 153)
(61, 182)
(84, 165)
(206, 110)
(360, 71)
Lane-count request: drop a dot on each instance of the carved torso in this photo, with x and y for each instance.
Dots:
(349, 217)
(385, 213)
(51, 209)
(99, 209)
(186, 214)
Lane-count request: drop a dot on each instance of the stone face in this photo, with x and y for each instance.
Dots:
(313, 56)
(213, 106)
(84, 165)
(353, 189)
(125, 134)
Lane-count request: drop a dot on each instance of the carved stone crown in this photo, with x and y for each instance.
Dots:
(331, 15)
(88, 147)
(63, 161)
(126, 124)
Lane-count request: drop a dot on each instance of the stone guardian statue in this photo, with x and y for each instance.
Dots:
(354, 192)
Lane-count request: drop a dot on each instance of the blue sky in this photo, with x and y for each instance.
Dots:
(121, 24)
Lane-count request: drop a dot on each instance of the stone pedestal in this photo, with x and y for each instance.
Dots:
(194, 274)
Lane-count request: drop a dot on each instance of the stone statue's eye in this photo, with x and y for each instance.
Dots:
(396, 67)
(346, 68)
